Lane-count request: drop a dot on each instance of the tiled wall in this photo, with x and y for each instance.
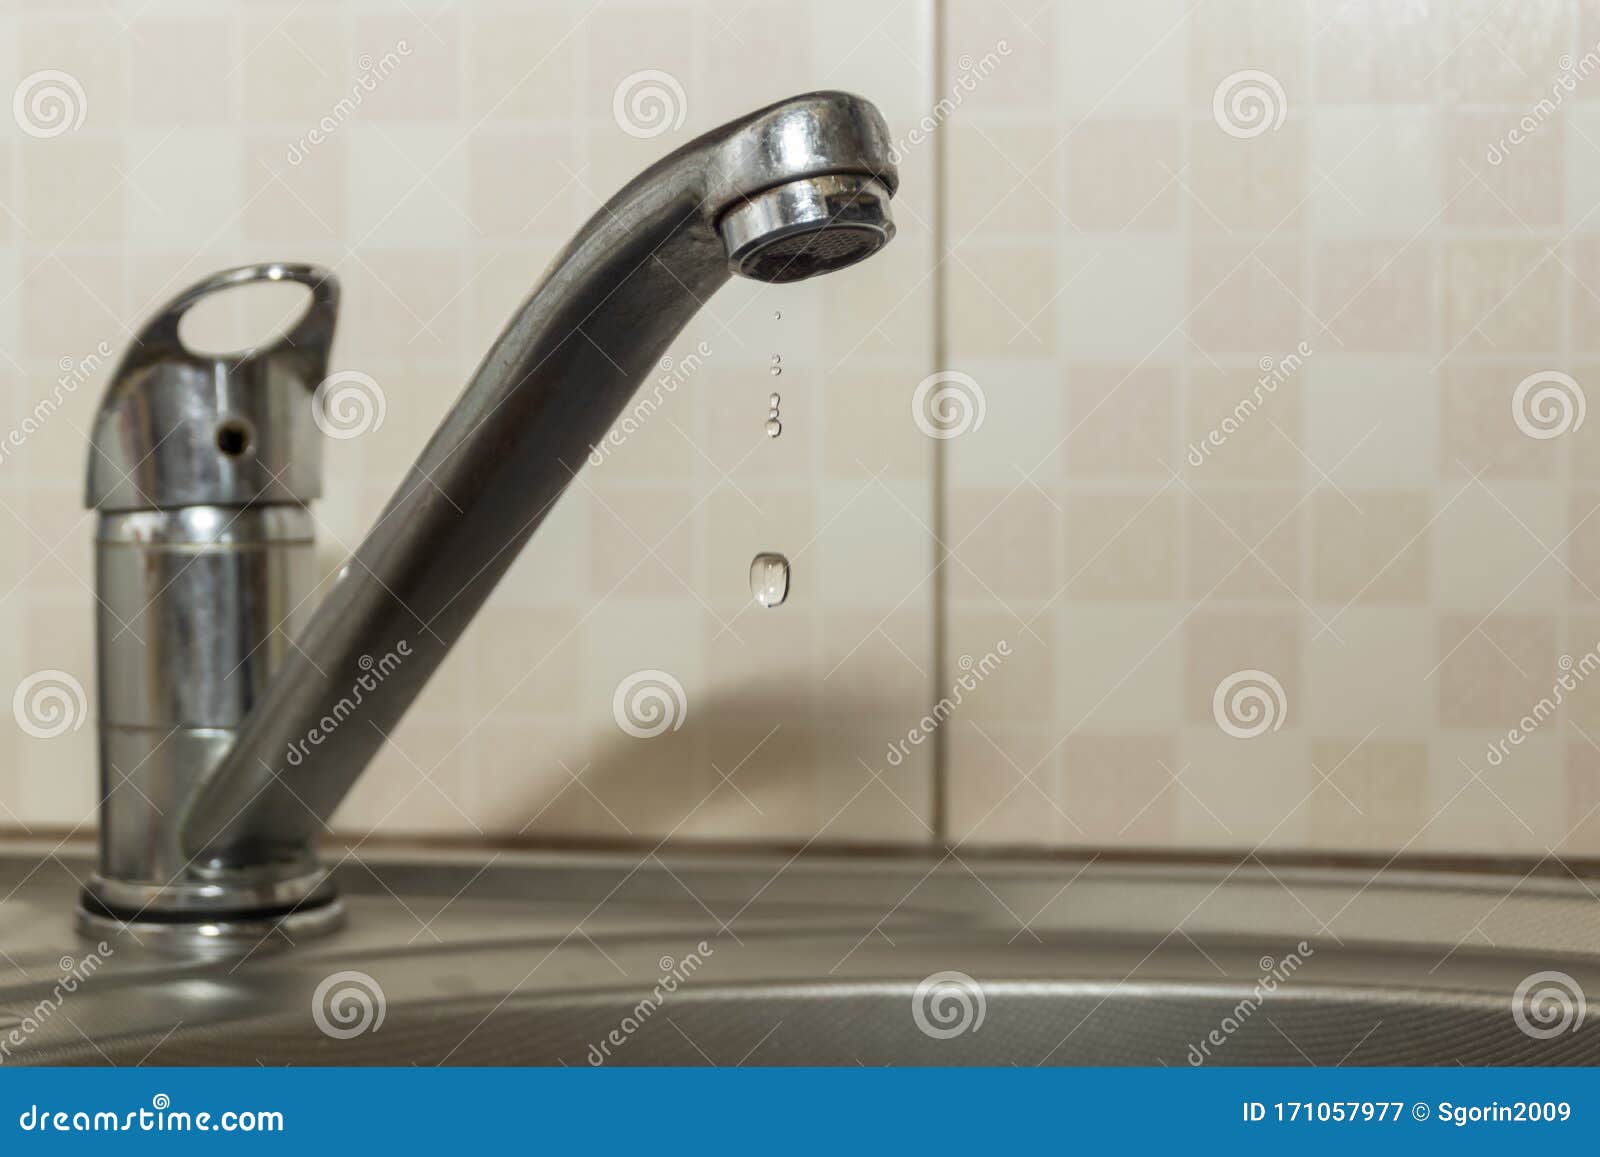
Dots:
(1195, 366)
(438, 203)
(1133, 254)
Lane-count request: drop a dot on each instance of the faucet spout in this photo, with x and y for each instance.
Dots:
(794, 190)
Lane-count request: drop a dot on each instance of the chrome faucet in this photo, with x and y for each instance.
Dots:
(214, 829)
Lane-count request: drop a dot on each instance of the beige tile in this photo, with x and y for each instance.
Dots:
(624, 40)
(1120, 789)
(293, 199)
(1238, 424)
(1221, 644)
(419, 61)
(1120, 421)
(506, 82)
(1372, 796)
(1128, 57)
(1124, 172)
(1004, 545)
(1502, 55)
(519, 182)
(1492, 669)
(1122, 547)
(1255, 185)
(1375, 296)
(1512, 187)
(1125, 673)
(1377, 172)
(1248, 34)
(75, 193)
(1582, 799)
(1005, 788)
(1377, 53)
(1372, 549)
(1004, 179)
(1028, 47)
(641, 544)
(1246, 299)
(1018, 691)
(1479, 425)
(1243, 544)
(185, 74)
(1492, 541)
(1002, 299)
(1373, 668)
(1582, 538)
(1253, 793)
(298, 67)
(1584, 260)
(1497, 296)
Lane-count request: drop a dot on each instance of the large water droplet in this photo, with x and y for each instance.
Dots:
(773, 401)
(774, 427)
(777, 315)
(769, 579)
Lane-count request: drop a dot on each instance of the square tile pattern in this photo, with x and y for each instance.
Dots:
(1227, 381)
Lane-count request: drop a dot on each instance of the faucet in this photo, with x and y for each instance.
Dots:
(213, 831)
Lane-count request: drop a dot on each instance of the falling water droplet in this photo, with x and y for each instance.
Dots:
(769, 579)
(774, 427)
(776, 370)
(773, 413)
(773, 401)
(777, 315)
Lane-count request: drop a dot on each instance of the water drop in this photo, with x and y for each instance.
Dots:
(777, 315)
(773, 401)
(776, 358)
(776, 370)
(769, 579)
(773, 413)
(774, 427)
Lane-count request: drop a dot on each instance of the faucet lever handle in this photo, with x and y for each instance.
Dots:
(183, 427)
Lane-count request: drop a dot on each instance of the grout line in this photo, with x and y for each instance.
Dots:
(938, 512)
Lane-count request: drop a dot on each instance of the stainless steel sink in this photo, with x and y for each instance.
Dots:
(728, 960)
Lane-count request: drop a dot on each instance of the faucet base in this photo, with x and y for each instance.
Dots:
(219, 932)
(222, 910)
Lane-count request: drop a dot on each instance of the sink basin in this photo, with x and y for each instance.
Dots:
(730, 960)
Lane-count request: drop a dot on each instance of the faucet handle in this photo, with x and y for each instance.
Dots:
(179, 427)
